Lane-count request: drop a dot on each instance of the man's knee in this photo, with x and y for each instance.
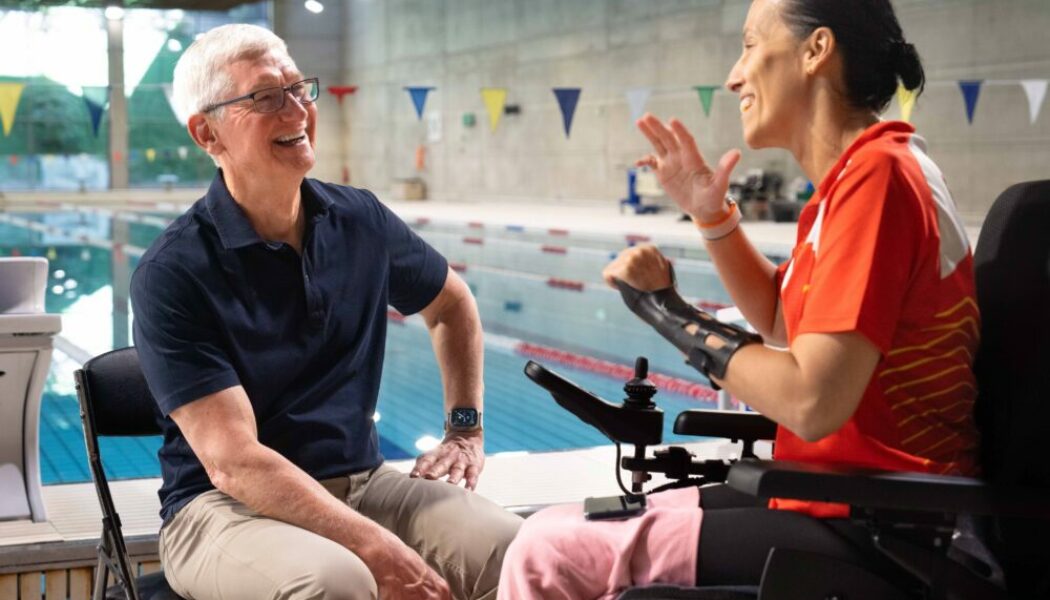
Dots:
(346, 579)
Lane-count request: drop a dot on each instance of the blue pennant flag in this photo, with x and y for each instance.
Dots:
(419, 98)
(567, 99)
(971, 90)
(95, 99)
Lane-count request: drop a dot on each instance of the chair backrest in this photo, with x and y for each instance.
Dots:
(1012, 267)
(117, 395)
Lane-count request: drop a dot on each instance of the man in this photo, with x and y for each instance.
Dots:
(260, 325)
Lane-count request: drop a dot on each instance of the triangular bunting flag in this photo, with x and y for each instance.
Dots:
(494, 99)
(168, 95)
(636, 99)
(906, 100)
(971, 90)
(419, 98)
(1035, 89)
(95, 99)
(10, 94)
(151, 154)
(707, 94)
(567, 99)
(183, 152)
(341, 90)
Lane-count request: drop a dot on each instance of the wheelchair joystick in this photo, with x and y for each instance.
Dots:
(640, 391)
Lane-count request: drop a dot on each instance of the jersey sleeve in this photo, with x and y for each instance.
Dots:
(869, 249)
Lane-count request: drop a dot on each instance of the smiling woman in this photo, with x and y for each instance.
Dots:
(875, 310)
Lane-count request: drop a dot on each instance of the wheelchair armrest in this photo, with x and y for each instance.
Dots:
(731, 425)
(871, 488)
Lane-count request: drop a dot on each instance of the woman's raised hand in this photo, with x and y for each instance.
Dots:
(697, 189)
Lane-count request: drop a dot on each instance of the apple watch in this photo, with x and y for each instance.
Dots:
(463, 419)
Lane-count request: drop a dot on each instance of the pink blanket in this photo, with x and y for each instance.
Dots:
(558, 555)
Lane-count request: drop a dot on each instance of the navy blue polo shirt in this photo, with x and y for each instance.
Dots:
(217, 306)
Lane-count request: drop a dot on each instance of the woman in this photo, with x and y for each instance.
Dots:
(875, 310)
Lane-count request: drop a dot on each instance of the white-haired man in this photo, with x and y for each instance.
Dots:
(260, 325)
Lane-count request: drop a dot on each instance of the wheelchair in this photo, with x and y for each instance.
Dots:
(951, 538)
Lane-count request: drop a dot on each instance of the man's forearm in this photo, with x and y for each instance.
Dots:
(271, 485)
(459, 346)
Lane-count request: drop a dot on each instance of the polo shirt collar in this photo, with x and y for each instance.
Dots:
(235, 230)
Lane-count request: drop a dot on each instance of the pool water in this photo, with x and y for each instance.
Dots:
(511, 273)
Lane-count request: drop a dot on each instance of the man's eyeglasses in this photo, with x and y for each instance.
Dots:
(272, 99)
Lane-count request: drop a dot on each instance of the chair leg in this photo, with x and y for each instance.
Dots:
(98, 590)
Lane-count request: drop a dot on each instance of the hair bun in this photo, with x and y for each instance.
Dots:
(906, 62)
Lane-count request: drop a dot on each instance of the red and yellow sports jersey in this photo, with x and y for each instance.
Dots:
(881, 251)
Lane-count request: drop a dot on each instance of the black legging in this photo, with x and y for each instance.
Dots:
(738, 531)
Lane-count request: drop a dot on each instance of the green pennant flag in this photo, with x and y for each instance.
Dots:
(707, 93)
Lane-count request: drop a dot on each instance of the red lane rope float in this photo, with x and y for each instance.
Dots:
(473, 240)
(395, 316)
(422, 221)
(554, 249)
(476, 225)
(458, 267)
(667, 383)
(557, 232)
(565, 284)
(634, 238)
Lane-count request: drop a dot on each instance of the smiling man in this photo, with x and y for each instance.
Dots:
(260, 322)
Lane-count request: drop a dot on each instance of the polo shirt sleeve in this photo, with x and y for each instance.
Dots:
(417, 271)
(177, 339)
(869, 249)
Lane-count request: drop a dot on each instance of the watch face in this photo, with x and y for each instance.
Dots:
(463, 418)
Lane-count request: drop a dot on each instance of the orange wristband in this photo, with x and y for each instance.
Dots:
(719, 229)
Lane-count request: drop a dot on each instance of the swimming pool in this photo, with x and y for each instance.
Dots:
(539, 293)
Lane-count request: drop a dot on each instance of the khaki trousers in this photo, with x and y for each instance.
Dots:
(217, 548)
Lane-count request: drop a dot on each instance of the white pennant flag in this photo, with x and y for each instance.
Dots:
(636, 99)
(166, 87)
(1035, 89)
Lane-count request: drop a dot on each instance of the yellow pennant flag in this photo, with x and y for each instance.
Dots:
(151, 154)
(10, 93)
(494, 99)
(906, 100)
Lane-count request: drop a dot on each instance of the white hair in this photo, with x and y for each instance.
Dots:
(201, 78)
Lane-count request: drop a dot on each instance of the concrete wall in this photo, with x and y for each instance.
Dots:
(607, 47)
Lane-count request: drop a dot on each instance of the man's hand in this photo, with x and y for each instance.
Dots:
(400, 573)
(461, 456)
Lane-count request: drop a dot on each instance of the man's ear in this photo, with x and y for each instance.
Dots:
(204, 135)
(818, 50)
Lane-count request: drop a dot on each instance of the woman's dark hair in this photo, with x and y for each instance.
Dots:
(875, 54)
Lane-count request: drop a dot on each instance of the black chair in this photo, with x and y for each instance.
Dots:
(952, 537)
(115, 401)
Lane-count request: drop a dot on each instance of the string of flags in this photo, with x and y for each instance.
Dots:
(494, 99)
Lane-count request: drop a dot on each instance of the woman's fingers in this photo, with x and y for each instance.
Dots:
(646, 127)
(646, 161)
(688, 144)
(662, 133)
(726, 165)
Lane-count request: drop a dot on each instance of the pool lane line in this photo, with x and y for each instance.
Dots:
(590, 364)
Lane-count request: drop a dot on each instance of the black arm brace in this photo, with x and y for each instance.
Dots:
(688, 328)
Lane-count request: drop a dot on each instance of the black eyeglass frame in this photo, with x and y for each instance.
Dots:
(285, 90)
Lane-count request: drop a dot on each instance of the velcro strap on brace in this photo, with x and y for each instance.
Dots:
(707, 342)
